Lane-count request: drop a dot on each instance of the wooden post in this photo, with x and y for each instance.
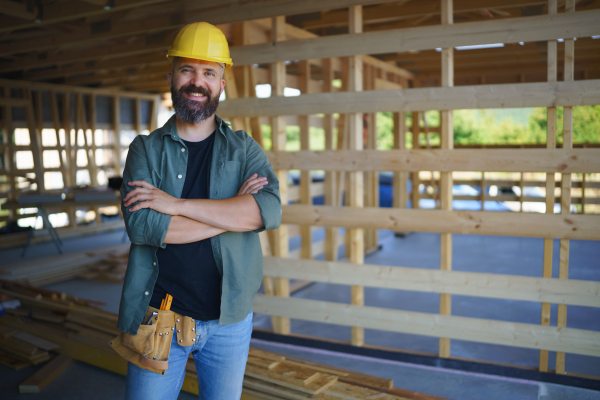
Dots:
(231, 91)
(447, 139)
(35, 138)
(92, 128)
(116, 128)
(61, 155)
(415, 181)
(331, 193)
(81, 124)
(305, 176)
(565, 189)
(138, 115)
(482, 190)
(550, 144)
(355, 195)
(70, 156)
(583, 185)
(371, 177)
(281, 325)
(9, 150)
(400, 177)
(522, 186)
(153, 120)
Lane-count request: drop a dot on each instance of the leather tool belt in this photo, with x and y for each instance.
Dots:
(150, 348)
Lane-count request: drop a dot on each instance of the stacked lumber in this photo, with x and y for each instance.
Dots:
(105, 263)
(81, 330)
(20, 349)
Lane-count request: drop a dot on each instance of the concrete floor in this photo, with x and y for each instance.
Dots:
(519, 256)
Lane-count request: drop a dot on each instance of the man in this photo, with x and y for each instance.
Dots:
(195, 195)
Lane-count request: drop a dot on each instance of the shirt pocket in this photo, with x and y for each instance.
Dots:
(231, 179)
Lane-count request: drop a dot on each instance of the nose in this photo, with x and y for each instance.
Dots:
(198, 80)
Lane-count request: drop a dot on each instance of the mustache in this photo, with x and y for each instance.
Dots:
(194, 89)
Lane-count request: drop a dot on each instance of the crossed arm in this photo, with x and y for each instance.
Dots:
(197, 219)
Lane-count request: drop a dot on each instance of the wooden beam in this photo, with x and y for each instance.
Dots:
(42, 377)
(565, 188)
(575, 341)
(278, 138)
(72, 89)
(447, 139)
(585, 227)
(422, 99)
(356, 179)
(496, 286)
(510, 30)
(18, 10)
(386, 13)
(444, 160)
(70, 10)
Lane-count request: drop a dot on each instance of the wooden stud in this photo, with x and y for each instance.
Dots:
(565, 189)
(116, 128)
(35, 141)
(38, 381)
(278, 137)
(9, 151)
(355, 194)
(447, 138)
(415, 130)
(305, 176)
(399, 183)
(550, 144)
(61, 151)
(331, 234)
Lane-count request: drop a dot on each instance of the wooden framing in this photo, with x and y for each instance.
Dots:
(312, 51)
(74, 122)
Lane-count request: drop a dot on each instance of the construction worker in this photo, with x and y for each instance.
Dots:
(195, 195)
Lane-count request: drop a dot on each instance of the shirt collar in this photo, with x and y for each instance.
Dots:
(170, 128)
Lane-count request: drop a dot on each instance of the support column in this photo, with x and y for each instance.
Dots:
(447, 139)
(355, 195)
(400, 196)
(305, 176)
(278, 136)
(116, 127)
(331, 192)
(550, 144)
(565, 188)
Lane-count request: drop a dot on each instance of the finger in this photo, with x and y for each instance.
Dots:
(139, 197)
(143, 184)
(139, 206)
(135, 191)
(254, 187)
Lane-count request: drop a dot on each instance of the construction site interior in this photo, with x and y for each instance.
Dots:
(415, 260)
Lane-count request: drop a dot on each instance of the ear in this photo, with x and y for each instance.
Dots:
(222, 86)
(170, 78)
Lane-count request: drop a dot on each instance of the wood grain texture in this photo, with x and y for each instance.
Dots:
(568, 340)
(542, 94)
(586, 227)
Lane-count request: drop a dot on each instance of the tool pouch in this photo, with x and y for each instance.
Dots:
(150, 348)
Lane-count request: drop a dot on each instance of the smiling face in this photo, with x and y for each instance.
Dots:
(195, 88)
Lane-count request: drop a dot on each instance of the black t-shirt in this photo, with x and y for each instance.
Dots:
(188, 271)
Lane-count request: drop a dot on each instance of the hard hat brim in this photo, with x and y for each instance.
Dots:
(221, 60)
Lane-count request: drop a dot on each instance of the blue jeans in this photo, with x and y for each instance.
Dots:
(220, 354)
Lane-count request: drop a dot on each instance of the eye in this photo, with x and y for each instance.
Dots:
(210, 73)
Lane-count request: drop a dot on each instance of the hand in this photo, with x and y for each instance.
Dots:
(151, 197)
(252, 185)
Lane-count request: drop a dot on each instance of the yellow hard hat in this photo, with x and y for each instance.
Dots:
(201, 41)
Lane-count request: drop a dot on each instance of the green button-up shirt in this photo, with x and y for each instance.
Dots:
(161, 159)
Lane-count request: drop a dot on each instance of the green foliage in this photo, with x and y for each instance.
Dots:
(499, 127)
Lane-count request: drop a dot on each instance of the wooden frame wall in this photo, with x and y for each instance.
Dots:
(80, 124)
(391, 94)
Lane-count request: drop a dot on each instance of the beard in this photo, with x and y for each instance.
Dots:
(193, 112)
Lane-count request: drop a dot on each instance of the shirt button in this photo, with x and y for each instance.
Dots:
(182, 150)
(146, 293)
(180, 176)
(154, 263)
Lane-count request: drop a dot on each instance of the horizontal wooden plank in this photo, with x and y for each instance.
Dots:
(558, 226)
(560, 291)
(568, 340)
(542, 94)
(505, 30)
(444, 160)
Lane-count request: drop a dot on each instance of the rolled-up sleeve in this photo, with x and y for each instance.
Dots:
(268, 198)
(145, 226)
